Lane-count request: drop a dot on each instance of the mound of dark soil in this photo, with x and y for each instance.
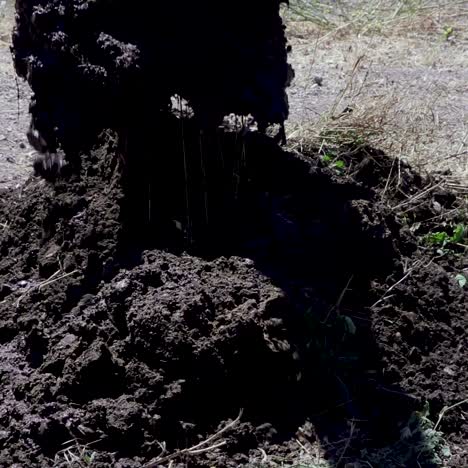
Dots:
(305, 305)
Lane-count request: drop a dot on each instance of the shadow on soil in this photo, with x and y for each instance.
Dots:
(326, 241)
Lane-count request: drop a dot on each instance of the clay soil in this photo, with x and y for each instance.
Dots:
(315, 325)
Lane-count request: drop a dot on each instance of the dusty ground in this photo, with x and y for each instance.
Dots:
(15, 152)
(406, 80)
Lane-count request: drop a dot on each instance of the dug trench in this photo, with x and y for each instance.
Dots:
(221, 302)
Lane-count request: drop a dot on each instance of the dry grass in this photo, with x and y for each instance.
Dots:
(401, 66)
(363, 16)
(75, 455)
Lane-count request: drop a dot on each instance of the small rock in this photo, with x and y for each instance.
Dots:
(122, 285)
(449, 371)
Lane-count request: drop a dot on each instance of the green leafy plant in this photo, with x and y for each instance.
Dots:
(461, 280)
(448, 32)
(459, 234)
(338, 164)
(419, 440)
(439, 238)
(442, 238)
(327, 159)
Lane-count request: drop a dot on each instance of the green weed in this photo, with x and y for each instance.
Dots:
(448, 32)
(419, 440)
(338, 164)
(461, 279)
(442, 239)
